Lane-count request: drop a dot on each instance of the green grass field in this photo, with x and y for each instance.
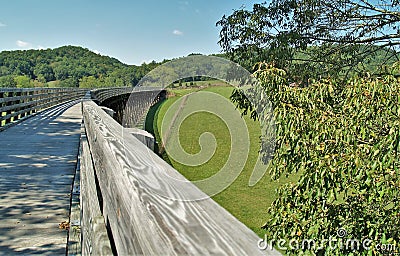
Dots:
(248, 204)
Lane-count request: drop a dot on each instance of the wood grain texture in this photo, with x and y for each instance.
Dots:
(37, 163)
(17, 103)
(141, 219)
(74, 246)
(94, 234)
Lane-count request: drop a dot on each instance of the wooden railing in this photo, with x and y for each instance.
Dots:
(103, 94)
(18, 103)
(136, 211)
(126, 206)
(130, 104)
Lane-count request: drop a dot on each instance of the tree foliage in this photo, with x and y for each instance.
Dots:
(341, 130)
(313, 38)
(345, 143)
(7, 81)
(68, 66)
(22, 82)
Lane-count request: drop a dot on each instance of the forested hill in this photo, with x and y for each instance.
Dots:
(67, 66)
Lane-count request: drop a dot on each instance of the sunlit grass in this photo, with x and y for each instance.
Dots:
(248, 204)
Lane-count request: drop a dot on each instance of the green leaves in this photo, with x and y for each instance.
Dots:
(344, 140)
(313, 39)
(67, 66)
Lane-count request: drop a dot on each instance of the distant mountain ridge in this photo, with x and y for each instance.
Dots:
(66, 66)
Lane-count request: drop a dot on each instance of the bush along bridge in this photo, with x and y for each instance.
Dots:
(78, 176)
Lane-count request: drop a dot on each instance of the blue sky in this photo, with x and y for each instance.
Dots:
(129, 30)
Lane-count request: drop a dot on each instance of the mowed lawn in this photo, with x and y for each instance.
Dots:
(248, 204)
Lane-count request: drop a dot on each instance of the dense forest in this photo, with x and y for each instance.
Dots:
(73, 66)
(67, 66)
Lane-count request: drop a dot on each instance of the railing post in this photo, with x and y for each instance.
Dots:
(23, 101)
(8, 112)
(1, 105)
(50, 98)
(31, 98)
(35, 98)
(17, 102)
(60, 95)
(38, 99)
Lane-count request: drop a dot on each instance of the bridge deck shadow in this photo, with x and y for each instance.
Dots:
(37, 166)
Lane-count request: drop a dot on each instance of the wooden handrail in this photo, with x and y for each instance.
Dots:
(139, 219)
(102, 94)
(18, 103)
(128, 208)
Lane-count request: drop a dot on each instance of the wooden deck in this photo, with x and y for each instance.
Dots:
(37, 166)
(131, 201)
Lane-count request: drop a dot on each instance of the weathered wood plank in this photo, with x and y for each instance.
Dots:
(37, 94)
(23, 89)
(142, 220)
(33, 203)
(74, 233)
(1, 105)
(16, 106)
(94, 234)
(8, 112)
(20, 103)
(18, 97)
(143, 136)
(106, 93)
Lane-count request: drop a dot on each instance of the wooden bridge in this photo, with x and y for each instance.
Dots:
(75, 180)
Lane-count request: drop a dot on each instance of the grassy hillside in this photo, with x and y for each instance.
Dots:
(248, 204)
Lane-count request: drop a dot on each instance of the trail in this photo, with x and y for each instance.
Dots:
(171, 127)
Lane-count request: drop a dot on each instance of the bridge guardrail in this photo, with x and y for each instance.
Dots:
(102, 94)
(130, 104)
(18, 103)
(141, 221)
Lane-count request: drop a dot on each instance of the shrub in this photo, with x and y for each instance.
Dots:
(345, 140)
